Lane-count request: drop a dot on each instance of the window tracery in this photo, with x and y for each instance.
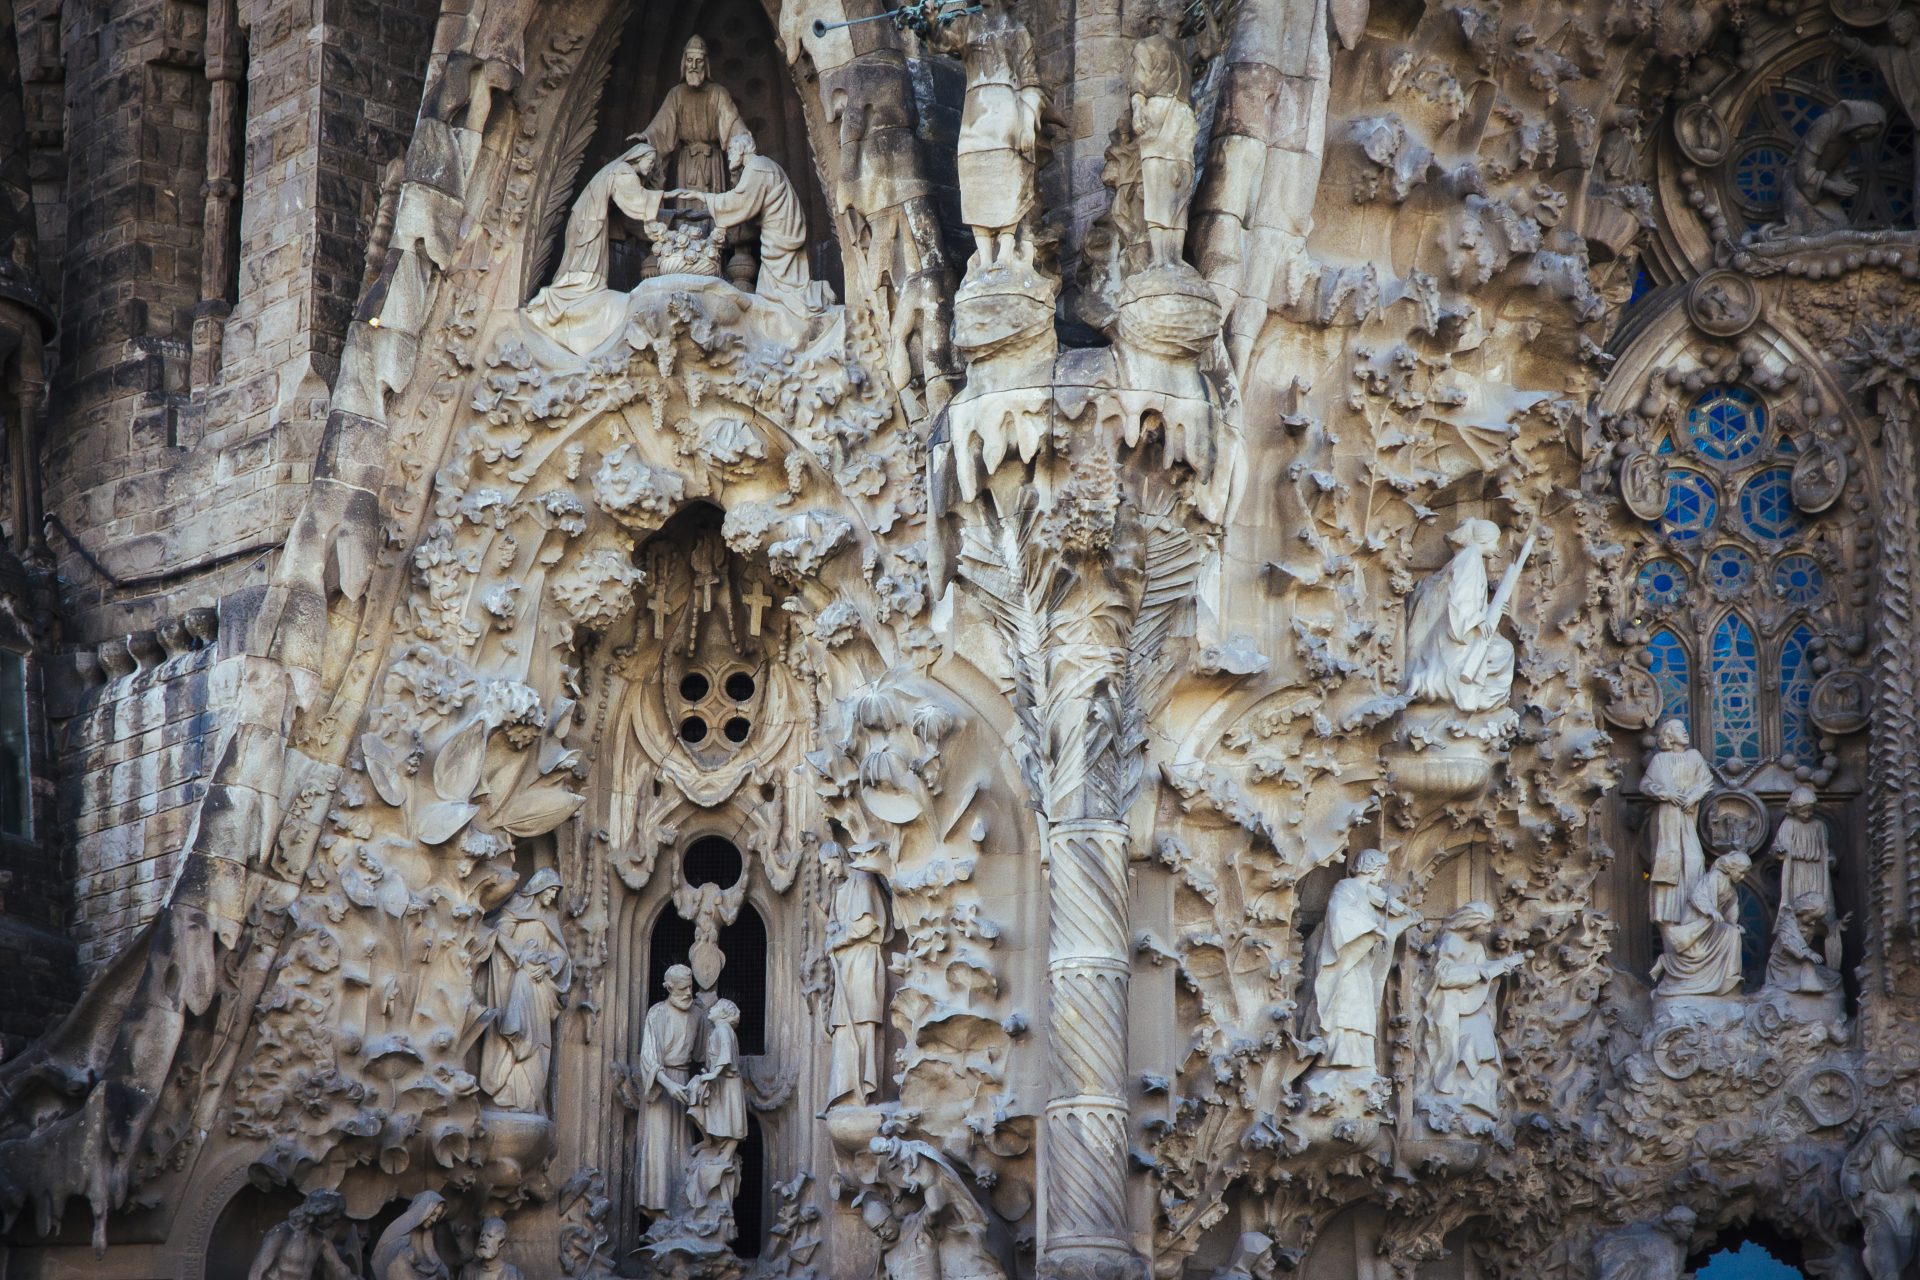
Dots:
(1728, 585)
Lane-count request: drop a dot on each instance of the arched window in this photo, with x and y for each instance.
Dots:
(1725, 591)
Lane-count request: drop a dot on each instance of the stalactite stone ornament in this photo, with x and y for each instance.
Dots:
(858, 930)
(1455, 652)
(656, 1087)
(1677, 779)
(1364, 921)
(1460, 1033)
(530, 973)
(1881, 1179)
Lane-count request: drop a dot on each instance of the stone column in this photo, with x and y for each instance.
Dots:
(1085, 1233)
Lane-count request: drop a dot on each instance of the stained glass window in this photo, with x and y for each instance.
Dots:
(1798, 579)
(1766, 505)
(1726, 423)
(1662, 582)
(1692, 503)
(1734, 669)
(1798, 744)
(1729, 569)
(1667, 661)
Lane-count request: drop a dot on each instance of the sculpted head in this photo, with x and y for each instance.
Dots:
(1735, 866)
(1471, 917)
(1672, 736)
(693, 63)
(643, 158)
(1369, 864)
(543, 887)
(1904, 26)
(1800, 803)
(739, 147)
(493, 1238)
(1474, 532)
(679, 980)
(725, 1011)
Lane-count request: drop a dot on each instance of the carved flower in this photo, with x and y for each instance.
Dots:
(514, 708)
(597, 590)
(563, 511)
(438, 683)
(639, 496)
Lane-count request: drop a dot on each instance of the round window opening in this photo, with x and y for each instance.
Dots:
(740, 686)
(712, 860)
(693, 729)
(737, 729)
(693, 686)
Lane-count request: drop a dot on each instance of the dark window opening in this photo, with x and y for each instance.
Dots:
(16, 774)
(743, 979)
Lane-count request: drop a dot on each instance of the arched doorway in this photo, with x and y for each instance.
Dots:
(242, 1227)
(743, 979)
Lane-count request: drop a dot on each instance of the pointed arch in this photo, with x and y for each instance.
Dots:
(1733, 694)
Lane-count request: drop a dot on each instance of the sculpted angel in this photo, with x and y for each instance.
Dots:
(1677, 778)
(709, 908)
(1455, 652)
(530, 972)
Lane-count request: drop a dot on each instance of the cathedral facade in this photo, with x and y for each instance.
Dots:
(1065, 639)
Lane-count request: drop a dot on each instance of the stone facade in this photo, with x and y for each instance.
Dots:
(1047, 638)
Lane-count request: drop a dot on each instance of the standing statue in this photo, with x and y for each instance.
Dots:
(694, 125)
(302, 1247)
(577, 306)
(1363, 923)
(1806, 861)
(761, 193)
(1881, 1180)
(718, 1104)
(1702, 956)
(1164, 127)
(1455, 652)
(1815, 188)
(656, 1087)
(1462, 1039)
(708, 908)
(999, 129)
(487, 1263)
(1678, 778)
(530, 974)
(406, 1249)
(857, 932)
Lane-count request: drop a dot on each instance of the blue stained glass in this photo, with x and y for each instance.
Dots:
(1798, 579)
(1797, 110)
(1748, 1262)
(1665, 445)
(1667, 663)
(1726, 423)
(1662, 582)
(1797, 738)
(1642, 286)
(1785, 445)
(1756, 936)
(1766, 505)
(1729, 569)
(1692, 503)
(1852, 80)
(1734, 670)
(1756, 177)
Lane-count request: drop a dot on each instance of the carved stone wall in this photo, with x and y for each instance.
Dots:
(1045, 639)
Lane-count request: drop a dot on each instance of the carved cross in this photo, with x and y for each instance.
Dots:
(658, 606)
(757, 602)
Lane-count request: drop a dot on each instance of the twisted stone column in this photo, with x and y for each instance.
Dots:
(1088, 970)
